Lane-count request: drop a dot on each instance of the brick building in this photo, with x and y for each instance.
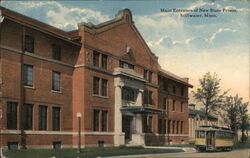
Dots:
(104, 76)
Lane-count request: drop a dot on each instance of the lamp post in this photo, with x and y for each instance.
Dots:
(79, 115)
(1, 150)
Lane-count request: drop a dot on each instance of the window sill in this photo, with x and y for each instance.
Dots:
(147, 105)
(26, 51)
(95, 95)
(29, 87)
(59, 92)
(128, 101)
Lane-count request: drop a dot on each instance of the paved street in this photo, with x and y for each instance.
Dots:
(244, 153)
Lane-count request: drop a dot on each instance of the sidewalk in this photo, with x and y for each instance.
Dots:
(185, 150)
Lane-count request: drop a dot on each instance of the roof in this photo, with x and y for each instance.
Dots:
(174, 77)
(201, 114)
(214, 128)
(37, 25)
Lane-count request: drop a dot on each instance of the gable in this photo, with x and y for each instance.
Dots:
(117, 35)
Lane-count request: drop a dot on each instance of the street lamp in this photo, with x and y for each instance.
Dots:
(79, 115)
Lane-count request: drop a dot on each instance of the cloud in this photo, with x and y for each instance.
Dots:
(58, 15)
(157, 24)
(199, 43)
(225, 37)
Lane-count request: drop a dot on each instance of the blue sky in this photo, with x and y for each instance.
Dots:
(185, 46)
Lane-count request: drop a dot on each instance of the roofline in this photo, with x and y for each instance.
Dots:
(36, 24)
(174, 77)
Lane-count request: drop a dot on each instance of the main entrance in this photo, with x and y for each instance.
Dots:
(127, 127)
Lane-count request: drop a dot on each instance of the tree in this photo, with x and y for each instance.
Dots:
(208, 93)
(243, 120)
(231, 108)
(236, 115)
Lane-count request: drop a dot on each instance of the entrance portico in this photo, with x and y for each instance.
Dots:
(129, 87)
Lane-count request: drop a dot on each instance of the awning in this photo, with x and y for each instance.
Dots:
(142, 110)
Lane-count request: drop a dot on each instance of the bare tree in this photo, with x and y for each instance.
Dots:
(208, 93)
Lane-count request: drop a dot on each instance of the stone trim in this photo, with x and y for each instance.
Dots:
(55, 132)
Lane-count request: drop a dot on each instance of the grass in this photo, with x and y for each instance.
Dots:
(86, 153)
(242, 145)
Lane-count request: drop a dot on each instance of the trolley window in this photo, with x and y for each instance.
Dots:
(200, 134)
(224, 135)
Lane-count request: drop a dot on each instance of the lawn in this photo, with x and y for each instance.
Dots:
(242, 145)
(86, 153)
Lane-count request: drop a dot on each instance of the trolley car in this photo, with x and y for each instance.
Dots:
(212, 138)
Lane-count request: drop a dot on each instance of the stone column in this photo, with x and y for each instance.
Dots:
(118, 135)
(139, 98)
(138, 136)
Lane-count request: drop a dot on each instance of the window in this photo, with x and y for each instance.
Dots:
(104, 61)
(56, 119)
(165, 126)
(104, 120)
(160, 126)
(28, 75)
(150, 124)
(177, 127)
(173, 106)
(181, 127)
(42, 117)
(11, 115)
(173, 127)
(165, 86)
(200, 134)
(56, 52)
(144, 122)
(148, 97)
(104, 87)
(28, 117)
(96, 120)
(96, 85)
(169, 125)
(165, 103)
(12, 145)
(174, 89)
(126, 65)
(29, 44)
(57, 145)
(182, 91)
(56, 81)
(148, 75)
(96, 58)
(128, 94)
(182, 105)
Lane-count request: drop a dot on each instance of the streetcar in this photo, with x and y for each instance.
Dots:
(213, 138)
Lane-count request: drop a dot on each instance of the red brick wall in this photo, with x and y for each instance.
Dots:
(41, 93)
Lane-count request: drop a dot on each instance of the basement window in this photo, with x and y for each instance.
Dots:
(57, 145)
(12, 145)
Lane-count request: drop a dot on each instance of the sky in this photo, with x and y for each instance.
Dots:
(186, 46)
